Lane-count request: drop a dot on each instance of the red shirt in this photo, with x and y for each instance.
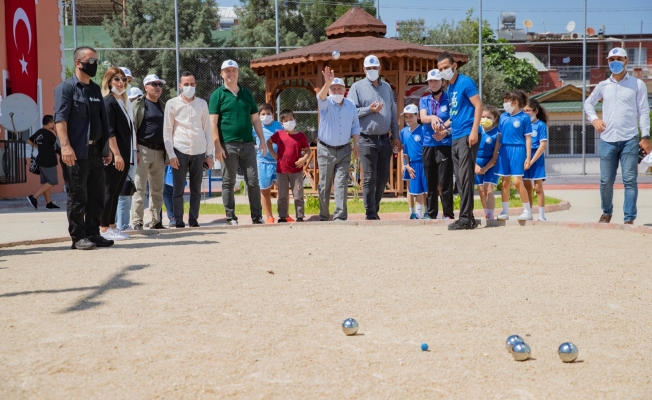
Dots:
(289, 150)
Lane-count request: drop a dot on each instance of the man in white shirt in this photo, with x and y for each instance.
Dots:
(625, 109)
(188, 141)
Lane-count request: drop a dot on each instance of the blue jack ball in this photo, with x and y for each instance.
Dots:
(424, 346)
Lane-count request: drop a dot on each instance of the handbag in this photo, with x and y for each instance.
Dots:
(129, 188)
(33, 165)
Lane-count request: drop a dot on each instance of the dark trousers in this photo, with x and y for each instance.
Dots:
(375, 157)
(244, 155)
(194, 167)
(86, 195)
(438, 165)
(464, 165)
(114, 180)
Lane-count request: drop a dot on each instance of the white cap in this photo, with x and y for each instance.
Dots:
(152, 78)
(410, 109)
(617, 52)
(134, 92)
(371, 61)
(338, 81)
(434, 75)
(230, 64)
(126, 71)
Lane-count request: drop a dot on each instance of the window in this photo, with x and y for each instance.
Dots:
(565, 139)
(637, 57)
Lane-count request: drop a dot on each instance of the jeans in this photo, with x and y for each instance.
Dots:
(86, 195)
(194, 167)
(168, 193)
(438, 164)
(334, 168)
(464, 165)
(243, 155)
(124, 203)
(611, 153)
(375, 157)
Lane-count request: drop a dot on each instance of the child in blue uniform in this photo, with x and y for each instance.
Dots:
(412, 140)
(267, 164)
(537, 171)
(485, 161)
(515, 151)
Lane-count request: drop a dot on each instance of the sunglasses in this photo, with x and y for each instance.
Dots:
(156, 84)
(90, 61)
(118, 79)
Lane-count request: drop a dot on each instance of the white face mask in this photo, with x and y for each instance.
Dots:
(372, 74)
(337, 98)
(289, 125)
(266, 119)
(508, 107)
(533, 118)
(188, 92)
(448, 74)
(128, 87)
(116, 91)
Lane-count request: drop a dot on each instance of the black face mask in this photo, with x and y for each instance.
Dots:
(89, 69)
(435, 93)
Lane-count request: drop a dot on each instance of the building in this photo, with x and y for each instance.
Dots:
(228, 18)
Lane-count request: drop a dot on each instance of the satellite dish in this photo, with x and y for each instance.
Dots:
(570, 27)
(18, 112)
(527, 23)
(590, 31)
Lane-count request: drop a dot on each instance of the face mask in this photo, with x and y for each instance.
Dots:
(616, 66)
(372, 74)
(289, 125)
(448, 74)
(116, 91)
(436, 92)
(486, 123)
(89, 69)
(128, 87)
(508, 107)
(533, 118)
(266, 119)
(337, 98)
(188, 92)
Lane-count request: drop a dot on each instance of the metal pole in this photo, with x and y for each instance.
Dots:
(480, 51)
(278, 50)
(74, 22)
(176, 41)
(584, 94)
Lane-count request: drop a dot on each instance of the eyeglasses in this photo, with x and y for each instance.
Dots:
(118, 79)
(156, 84)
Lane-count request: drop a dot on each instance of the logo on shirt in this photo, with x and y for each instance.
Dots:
(453, 100)
(417, 138)
(535, 134)
(93, 99)
(489, 140)
(443, 108)
(516, 124)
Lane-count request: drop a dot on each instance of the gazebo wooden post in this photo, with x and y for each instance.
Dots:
(400, 104)
(268, 85)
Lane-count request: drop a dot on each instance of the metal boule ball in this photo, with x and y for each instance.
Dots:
(336, 54)
(350, 326)
(568, 352)
(512, 340)
(521, 351)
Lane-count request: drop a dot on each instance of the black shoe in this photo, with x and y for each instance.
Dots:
(83, 244)
(32, 201)
(138, 227)
(180, 224)
(158, 226)
(457, 226)
(52, 206)
(369, 218)
(195, 225)
(281, 220)
(377, 217)
(299, 219)
(100, 241)
(259, 221)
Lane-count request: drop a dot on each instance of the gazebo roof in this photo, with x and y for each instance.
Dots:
(356, 22)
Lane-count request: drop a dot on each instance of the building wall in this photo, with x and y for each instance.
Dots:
(48, 25)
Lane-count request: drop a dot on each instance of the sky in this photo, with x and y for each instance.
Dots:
(619, 17)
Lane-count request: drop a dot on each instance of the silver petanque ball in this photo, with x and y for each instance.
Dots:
(350, 326)
(521, 351)
(336, 54)
(512, 340)
(568, 352)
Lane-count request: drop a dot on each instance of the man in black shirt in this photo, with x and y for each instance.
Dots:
(148, 116)
(45, 141)
(82, 127)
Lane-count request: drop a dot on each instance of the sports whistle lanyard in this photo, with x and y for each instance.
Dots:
(434, 110)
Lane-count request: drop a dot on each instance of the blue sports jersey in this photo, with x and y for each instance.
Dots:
(487, 143)
(514, 128)
(268, 131)
(539, 133)
(442, 110)
(413, 142)
(461, 109)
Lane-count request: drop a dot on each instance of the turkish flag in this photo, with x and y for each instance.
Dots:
(22, 51)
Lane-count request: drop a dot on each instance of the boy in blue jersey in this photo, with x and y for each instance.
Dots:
(537, 171)
(485, 161)
(437, 160)
(267, 163)
(465, 115)
(412, 137)
(515, 128)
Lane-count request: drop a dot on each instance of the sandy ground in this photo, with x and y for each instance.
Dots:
(201, 315)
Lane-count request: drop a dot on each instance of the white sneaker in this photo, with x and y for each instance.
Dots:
(542, 219)
(525, 216)
(232, 222)
(111, 234)
(121, 233)
(503, 216)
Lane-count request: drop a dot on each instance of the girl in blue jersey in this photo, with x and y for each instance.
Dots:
(515, 151)
(485, 161)
(412, 140)
(537, 171)
(267, 164)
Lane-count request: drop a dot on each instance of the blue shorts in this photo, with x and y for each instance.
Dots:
(510, 160)
(489, 176)
(537, 170)
(266, 174)
(418, 185)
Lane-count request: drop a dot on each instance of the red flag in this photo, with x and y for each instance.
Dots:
(22, 50)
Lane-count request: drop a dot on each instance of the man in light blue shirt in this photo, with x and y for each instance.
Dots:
(338, 123)
(625, 109)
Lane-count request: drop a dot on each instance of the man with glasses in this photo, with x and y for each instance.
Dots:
(82, 126)
(625, 109)
(148, 121)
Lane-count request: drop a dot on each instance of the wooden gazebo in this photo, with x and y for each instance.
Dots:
(354, 35)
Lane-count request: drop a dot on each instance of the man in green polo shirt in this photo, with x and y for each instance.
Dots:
(233, 113)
